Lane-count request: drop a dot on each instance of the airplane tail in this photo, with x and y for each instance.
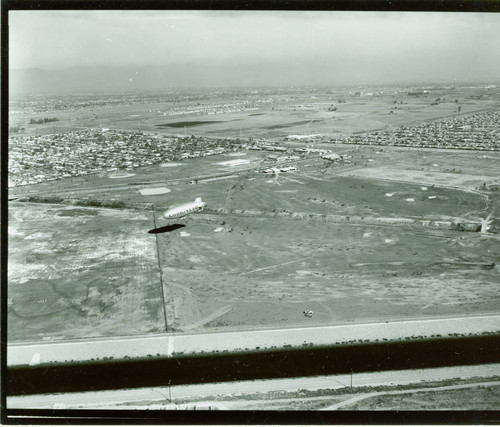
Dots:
(198, 200)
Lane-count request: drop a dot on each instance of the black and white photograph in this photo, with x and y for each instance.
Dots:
(251, 211)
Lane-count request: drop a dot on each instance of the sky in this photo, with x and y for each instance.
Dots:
(292, 46)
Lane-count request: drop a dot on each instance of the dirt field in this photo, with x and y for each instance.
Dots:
(270, 113)
(481, 398)
(231, 271)
(263, 272)
(81, 272)
(262, 253)
(224, 270)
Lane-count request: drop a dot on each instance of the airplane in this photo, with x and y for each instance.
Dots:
(185, 209)
(272, 170)
(276, 172)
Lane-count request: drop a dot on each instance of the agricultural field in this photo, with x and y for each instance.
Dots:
(257, 114)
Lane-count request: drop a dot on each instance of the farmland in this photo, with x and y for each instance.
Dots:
(266, 113)
(380, 235)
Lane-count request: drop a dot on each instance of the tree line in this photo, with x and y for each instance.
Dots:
(43, 121)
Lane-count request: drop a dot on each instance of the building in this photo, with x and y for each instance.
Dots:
(332, 157)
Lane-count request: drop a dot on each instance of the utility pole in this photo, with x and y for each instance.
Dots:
(162, 292)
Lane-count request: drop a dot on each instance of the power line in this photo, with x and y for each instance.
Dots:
(161, 273)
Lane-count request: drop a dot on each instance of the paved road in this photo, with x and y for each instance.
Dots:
(234, 341)
(162, 394)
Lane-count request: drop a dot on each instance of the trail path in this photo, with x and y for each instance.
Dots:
(410, 391)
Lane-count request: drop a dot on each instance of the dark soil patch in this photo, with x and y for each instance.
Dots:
(287, 125)
(189, 124)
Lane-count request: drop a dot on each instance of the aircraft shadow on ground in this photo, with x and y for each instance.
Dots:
(166, 228)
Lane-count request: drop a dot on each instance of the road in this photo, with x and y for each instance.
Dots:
(413, 390)
(237, 341)
(102, 399)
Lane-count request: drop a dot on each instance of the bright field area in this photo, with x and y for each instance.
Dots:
(262, 252)
(247, 272)
(81, 272)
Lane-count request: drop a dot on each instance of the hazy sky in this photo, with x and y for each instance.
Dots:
(368, 45)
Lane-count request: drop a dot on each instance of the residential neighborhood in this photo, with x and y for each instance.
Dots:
(479, 131)
(36, 159)
(40, 158)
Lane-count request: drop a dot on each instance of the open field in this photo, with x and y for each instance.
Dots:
(481, 397)
(266, 113)
(255, 272)
(376, 182)
(228, 270)
(83, 273)
(374, 237)
(469, 396)
(267, 271)
(463, 396)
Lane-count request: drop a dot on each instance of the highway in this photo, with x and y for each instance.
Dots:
(245, 341)
(106, 399)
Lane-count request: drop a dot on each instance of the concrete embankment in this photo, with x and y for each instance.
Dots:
(182, 344)
(183, 359)
(280, 363)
